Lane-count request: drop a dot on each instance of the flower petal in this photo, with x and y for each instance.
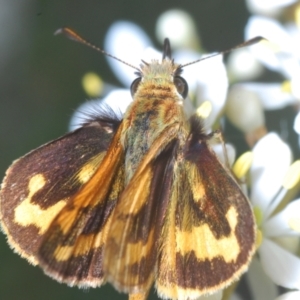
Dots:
(269, 7)
(283, 46)
(276, 36)
(203, 78)
(242, 65)
(230, 152)
(128, 42)
(208, 73)
(261, 286)
(271, 95)
(292, 29)
(280, 265)
(286, 222)
(190, 72)
(297, 123)
(244, 108)
(271, 160)
(179, 27)
(289, 296)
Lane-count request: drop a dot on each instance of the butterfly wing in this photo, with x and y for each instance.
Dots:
(38, 185)
(72, 247)
(131, 249)
(208, 235)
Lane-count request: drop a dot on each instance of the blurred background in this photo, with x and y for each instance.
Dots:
(40, 87)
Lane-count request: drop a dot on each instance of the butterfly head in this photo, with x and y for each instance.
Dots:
(161, 73)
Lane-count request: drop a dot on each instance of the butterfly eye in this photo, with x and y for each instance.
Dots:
(181, 86)
(135, 85)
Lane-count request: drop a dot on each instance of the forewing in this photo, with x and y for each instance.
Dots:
(38, 185)
(209, 231)
(72, 248)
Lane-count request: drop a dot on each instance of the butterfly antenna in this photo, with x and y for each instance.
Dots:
(72, 35)
(245, 44)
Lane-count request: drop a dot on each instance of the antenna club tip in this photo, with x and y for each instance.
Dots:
(66, 31)
(72, 35)
(58, 31)
(69, 33)
(256, 40)
(260, 38)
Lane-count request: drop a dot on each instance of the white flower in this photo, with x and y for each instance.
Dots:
(268, 7)
(179, 27)
(289, 296)
(271, 95)
(281, 51)
(244, 108)
(243, 65)
(130, 43)
(281, 230)
(281, 54)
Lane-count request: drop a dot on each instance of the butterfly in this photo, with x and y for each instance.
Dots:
(135, 200)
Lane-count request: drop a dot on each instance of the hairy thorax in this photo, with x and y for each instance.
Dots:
(156, 108)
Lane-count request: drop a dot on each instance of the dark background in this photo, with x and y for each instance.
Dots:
(40, 86)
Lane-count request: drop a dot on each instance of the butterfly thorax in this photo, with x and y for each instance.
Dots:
(156, 107)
